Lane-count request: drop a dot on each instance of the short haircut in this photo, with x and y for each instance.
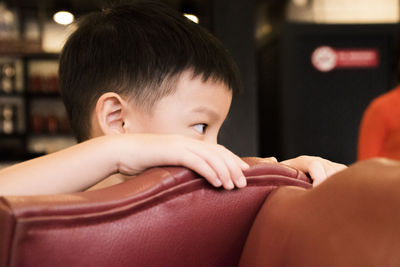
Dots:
(137, 50)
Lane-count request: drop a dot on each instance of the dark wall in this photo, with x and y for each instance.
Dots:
(269, 92)
(233, 24)
(321, 111)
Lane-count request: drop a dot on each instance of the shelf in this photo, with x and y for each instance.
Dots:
(42, 56)
(50, 135)
(12, 95)
(37, 97)
(19, 47)
(44, 95)
(13, 135)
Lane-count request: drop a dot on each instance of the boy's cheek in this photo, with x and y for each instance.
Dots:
(212, 140)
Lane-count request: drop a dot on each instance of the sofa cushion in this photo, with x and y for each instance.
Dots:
(168, 216)
(351, 219)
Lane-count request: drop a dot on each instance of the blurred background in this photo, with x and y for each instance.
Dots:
(309, 69)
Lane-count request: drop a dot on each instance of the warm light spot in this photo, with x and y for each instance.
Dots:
(63, 17)
(344, 11)
(192, 17)
(356, 11)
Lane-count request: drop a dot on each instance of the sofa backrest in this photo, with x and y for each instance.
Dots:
(168, 216)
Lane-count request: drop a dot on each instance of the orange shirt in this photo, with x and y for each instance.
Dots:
(380, 127)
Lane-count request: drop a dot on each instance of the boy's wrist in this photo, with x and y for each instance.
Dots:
(107, 150)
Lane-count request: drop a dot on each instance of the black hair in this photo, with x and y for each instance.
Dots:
(137, 50)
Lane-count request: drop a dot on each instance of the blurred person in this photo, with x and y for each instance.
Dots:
(379, 134)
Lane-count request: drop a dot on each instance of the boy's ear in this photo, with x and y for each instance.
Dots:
(110, 113)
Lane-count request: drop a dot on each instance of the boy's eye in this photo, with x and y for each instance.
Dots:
(200, 128)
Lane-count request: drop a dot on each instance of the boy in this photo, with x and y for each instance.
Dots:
(143, 86)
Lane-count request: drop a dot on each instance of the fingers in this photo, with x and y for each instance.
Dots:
(317, 172)
(318, 168)
(214, 162)
(270, 159)
(227, 166)
(236, 166)
(329, 168)
(197, 164)
(334, 168)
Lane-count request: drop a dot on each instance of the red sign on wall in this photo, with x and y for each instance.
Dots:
(326, 58)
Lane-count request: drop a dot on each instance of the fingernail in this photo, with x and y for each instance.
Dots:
(217, 183)
(245, 165)
(241, 182)
(230, 185)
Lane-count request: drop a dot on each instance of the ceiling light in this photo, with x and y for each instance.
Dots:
(192, 17)
(63, 17)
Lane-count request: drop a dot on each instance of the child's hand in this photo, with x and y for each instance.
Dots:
(214, 162)
(318, 168)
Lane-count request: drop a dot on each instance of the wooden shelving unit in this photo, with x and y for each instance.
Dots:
(33, 121)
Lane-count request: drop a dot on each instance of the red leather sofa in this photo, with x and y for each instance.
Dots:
(165, 217)
(352, 219)
(171, 217)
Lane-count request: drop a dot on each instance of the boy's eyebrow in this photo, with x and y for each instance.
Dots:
(203, 109)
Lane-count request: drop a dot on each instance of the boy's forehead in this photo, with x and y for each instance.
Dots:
(187, 79)
(195, 94)
(200, 92)
(191, 93)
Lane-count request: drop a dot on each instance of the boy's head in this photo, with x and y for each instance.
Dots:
(135, 54)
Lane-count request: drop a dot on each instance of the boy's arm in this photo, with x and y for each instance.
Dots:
(85, 164)
(69, 170)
